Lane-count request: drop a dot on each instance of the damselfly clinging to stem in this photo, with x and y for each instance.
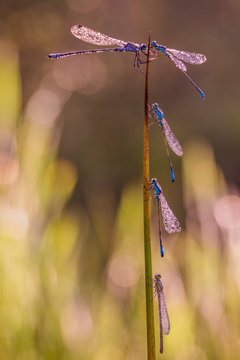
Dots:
(169, 138)
(170, 221)
(164, 322)
(94, 37)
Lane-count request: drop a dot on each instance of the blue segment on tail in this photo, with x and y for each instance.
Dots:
(172, 174)
(201, 94)
(162, 251)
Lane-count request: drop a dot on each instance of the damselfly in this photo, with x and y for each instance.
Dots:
(169, 138)
(164, 322)
(170, 221)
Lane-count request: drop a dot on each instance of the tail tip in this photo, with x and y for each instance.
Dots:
(162, 251)
(53, 56)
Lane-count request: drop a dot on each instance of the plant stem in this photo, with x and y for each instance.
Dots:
(151, 353)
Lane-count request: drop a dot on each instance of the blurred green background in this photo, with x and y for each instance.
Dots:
(71, 237)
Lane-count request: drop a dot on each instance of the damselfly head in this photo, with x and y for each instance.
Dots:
(159, 113)
(157, 283)
(157, 276)
(155, 106)
(154, 181)
(143, 47)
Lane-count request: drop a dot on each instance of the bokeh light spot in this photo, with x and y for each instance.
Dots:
(76, 324)
(123, 273)
(14, 221)
(227, 210)
(44, 107)
(86, 74)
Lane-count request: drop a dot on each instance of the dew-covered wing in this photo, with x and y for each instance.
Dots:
(94, 37)
(179, 64)
(164, 314)
(188, 57)
(170, 221)
(171, 139)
